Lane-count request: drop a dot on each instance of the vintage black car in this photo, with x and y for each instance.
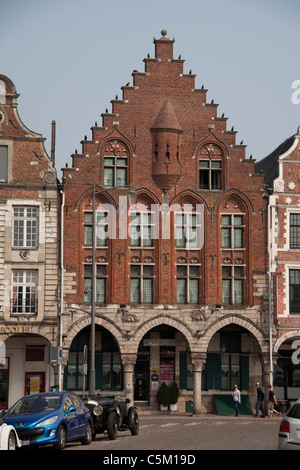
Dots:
(110, 414)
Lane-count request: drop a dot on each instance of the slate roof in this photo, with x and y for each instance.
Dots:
(269, 165)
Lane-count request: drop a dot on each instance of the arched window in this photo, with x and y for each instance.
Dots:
(210, 167)
(116, 156)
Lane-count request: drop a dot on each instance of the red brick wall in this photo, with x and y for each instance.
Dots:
(130, 121)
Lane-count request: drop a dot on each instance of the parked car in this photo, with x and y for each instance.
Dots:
(289, 431)
(110, 414)
(8, 435)
(51, 418)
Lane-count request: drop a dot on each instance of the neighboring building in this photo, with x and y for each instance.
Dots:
(191, 306)
(281, 171)
(28, 254)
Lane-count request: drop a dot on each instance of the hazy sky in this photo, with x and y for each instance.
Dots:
(69, 58)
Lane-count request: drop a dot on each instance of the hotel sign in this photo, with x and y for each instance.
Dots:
(14, 329)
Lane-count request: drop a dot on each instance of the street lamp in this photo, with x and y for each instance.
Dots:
(132, 200)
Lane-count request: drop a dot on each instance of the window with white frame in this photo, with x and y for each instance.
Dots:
(101, 277)
(295, 231)
(115, 172)
(101, 228)
(141, 283)
(188, 284)
(232, 231)
(232, 284)
(141, 228)
(24, 291)
(187, 230)
(294, 290)
(25, 226)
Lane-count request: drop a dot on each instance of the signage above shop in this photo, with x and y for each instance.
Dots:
(14, 329)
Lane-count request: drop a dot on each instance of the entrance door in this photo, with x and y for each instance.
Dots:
(141, 380)
(34, 382)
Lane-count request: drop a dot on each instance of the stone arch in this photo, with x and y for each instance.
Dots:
(283, 338)
(162, 320)
(236, 320)
(86, 321)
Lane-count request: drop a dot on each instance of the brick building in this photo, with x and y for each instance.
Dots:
(28, 254)
(281, 173)
(181, 277)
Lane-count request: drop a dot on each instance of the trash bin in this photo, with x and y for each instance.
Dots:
(282, 405)
(189, 406)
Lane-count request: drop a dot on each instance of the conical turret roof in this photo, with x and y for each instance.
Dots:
(166, 118)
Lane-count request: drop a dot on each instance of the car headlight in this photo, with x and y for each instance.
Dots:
(47, 421)
(98, 410)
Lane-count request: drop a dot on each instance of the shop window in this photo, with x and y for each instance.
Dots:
(34, 353)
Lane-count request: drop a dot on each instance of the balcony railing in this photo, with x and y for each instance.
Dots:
(23, 307)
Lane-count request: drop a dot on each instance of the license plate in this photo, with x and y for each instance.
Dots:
(25, 443)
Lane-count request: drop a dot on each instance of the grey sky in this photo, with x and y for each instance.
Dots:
(69, 58)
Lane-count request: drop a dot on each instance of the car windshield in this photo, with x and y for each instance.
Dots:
(36, 404)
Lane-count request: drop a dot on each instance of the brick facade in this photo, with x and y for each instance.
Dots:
(176, 150)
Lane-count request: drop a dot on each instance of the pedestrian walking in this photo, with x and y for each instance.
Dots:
(272, 402)
(236, 395)
(259, 407)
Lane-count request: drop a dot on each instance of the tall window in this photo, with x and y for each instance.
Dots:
(232, 284)
(101, 277)
(24, 294)
(294, 291)
(115, 172)
(188, 284)
(187, 230)
(141, 284)
(210, 174)
(3, 163)
(101, 228)
(25, 227)
(295, 231)
(141, 229)
(232, 231)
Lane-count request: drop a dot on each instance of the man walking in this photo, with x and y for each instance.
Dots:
(259, 402)
(236, 395)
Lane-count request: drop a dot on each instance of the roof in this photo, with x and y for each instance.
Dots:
(269, 164)
(166, 118)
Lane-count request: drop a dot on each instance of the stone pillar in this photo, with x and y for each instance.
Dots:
(128, 361)
(197, 360)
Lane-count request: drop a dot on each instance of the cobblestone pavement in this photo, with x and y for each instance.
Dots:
(184, 432)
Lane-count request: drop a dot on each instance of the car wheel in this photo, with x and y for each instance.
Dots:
(112, 426)
(88, 435)
(134, 429)
(61, 439)
(12, 441)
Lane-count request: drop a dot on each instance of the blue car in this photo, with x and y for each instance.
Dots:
(51, 418)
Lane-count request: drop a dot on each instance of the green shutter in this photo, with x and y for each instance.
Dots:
(244, 364)
(213, 371)
(183, 370)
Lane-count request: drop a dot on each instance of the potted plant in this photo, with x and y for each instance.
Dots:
(163, 396)
(174, 393)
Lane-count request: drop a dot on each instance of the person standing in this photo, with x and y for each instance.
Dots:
(236, 395)
(272, 402)
(259, 402)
